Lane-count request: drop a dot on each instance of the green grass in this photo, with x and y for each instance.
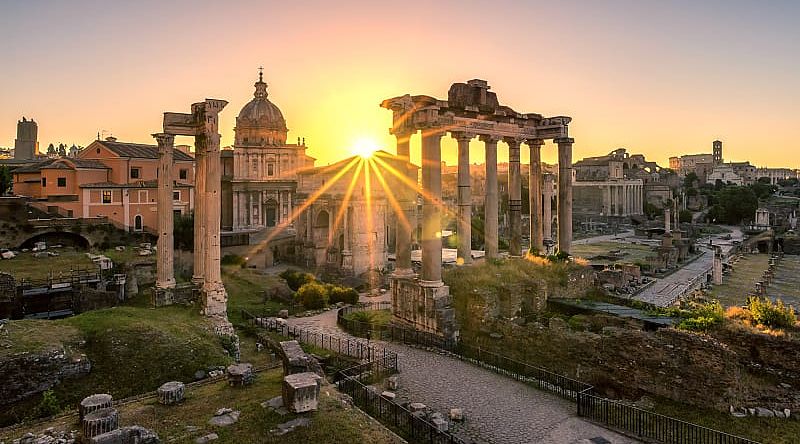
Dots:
(32, 336)
(245, 289)
(25, 266)
(332, 423)
(742, 281)
(372, 317)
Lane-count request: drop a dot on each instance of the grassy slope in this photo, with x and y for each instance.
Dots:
(33, 336)
(245, 289)
(25, 266)
(331, 424)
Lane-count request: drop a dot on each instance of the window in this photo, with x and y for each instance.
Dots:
(135, 173)
(255, 166)
(137, 223)
(106, 196)
(61, 182)
(270, 169)
(44, 182)
(142, 196)
(183, 174)
(176, 196)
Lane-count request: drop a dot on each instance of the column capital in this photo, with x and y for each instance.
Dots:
(402, 133)
(564, 140)
(534, 142)
(513, 141)
(489, 138)
(433, 131)
(164, 140)
(462, 136)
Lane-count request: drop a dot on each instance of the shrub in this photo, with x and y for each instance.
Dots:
(703, 317)
(233, 259)
(773, 315)
(312, 295)
(48, 406)
(296, 279)
(338, 294)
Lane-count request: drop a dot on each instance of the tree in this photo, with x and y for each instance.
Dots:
(690, 180)
(183, 232)
(685, 216)
(51, 150)
(734, 204)
(5, 179)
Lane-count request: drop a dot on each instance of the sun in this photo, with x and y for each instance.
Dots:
(364, 147)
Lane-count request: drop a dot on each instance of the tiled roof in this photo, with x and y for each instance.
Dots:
(35, 168)
(141, 151)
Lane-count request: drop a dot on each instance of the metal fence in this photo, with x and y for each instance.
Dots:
(350, 381)
(608, 412)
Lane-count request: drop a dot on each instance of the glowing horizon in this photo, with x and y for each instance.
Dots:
(659, 79)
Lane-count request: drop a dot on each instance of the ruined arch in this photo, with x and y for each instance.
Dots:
(67, 238)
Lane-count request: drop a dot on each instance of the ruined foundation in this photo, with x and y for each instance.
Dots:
(424, 306)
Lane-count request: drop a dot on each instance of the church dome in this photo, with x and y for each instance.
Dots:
(260, 112)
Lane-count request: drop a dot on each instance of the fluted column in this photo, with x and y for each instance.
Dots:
(406, 194)
(216, 297)
(464, 198)
(490, 209)
(431, 206)
(535, 194)
(547, 210)
(564, 193)
(514, 197)
(199, 254)
(165, 273)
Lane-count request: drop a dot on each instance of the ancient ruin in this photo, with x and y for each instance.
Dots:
(470, 111)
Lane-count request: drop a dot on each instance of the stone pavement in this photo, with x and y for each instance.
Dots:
(497, 409)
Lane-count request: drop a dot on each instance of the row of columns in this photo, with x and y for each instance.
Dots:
(244, 201)
(623, 199)
(432, 203)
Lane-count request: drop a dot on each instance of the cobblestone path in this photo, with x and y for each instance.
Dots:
(497, 409)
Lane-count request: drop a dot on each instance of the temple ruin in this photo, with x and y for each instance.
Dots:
(470, 111)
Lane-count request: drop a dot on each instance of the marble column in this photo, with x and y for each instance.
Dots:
(491, 202)
(199, 254)
(431, 207)
(535, 194)
(564, 193)
(165, 272)
(547, 208)
(406, 194)
(216, 297)
(235, 202)
(464, 199)
(514, 197)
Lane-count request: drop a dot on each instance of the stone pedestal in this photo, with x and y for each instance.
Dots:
(127, 435)
(240, 374)
(99, 422)
(424, 305)
(171, 392)
(94, 402)
(301, 392)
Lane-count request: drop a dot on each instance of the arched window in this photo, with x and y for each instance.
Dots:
(137, 222)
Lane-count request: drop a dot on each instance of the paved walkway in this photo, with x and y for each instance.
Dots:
(665, 291)
(497, 409)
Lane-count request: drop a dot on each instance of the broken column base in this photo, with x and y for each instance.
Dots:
(301, 392)
(424, 305)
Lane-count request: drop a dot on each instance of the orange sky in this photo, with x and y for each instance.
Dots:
(661, 78)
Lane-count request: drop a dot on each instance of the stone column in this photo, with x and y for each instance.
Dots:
(165, 272)
(216, 297)
(514, 197)
(406, 196)
(199, 255)
(547, 211)
(564, 193)
(535, 194)
(490, 204)
(464, 198)
(431, 206)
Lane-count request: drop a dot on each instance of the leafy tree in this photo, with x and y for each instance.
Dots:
(774, 315)
(685, 216)
(51, 150)
(312, 295)
(183, 232)
(763, 190)
(5, 179)
(296, 279)
(690, 180)
(733, 205)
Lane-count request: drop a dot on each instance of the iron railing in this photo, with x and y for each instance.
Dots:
(610, 413)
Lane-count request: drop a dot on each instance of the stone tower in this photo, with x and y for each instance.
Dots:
(26, 146)
(717, 151)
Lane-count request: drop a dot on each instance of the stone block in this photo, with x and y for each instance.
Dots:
(392, 383)
(207, 438)
(171, 392)
(240, 374)
(127, 435)
(92, 403)
(283, 314)
(224, 417)
(301, 392)
(417, 407)
(295, 360)
(99, 422)
(389, 395)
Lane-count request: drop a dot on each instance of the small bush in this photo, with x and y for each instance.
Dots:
(703, 317)
(773, 315)
(698, 324)
(338, 294)
(312, 296)
(233, 259)
(296, 279)
(49, 404)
